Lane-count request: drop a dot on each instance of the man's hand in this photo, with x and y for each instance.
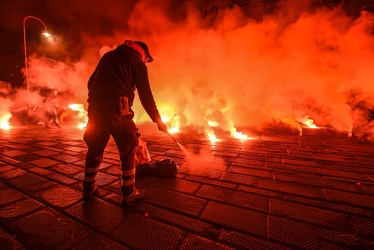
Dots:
(162, 127)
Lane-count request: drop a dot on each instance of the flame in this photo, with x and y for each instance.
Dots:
(173, 130)
(239, 135)
(212, 136)
(4, 121)
(213, 123)
(308, 122)
(169, 117)
(82, 113)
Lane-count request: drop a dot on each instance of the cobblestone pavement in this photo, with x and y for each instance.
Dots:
(274, 191)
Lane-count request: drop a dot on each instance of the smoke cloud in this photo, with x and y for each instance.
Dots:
(221, 68)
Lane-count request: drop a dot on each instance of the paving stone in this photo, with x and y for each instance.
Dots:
(299, 162)
(30, 149)
(244, 241)
(231, 217)
(247, 161)
(299, 235)
(262, 192)
(102, 179)
(316, 181)
(27, 157)
(4, 168)
(12, 173)
(346, 240)
(217, 201)
(361, 200)
(62, 233)
(354, 168)
(232, 197)
(141, 232)
(75, 149)
(202, 172)
(186, 204)
(30, 183)
(212, 182)
(59, 196)
(239, 179)
(348, 175)
(45, 153)
(40, 171)
(266, 167)
(46, 143)
(9, 195)
(98, 241)
(8, 242)
(44, 162)
(18, 208)
(321, 217)
(65, 158)
(183, 186)
(295, 168)
(193, 242)
(224, 153)
(290, 188)
(13, 153)
(99, 214)
(250, 171)
(182, 221)
(352, 210)
(366, 225)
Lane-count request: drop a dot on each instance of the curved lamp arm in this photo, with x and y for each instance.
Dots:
(24, 46)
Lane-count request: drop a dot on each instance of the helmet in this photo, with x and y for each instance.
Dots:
(145, 48)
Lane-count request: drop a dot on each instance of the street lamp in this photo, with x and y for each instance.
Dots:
(45, 33)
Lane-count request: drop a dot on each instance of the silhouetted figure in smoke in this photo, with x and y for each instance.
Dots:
(111, 90)
(51, 105)
(362, 115)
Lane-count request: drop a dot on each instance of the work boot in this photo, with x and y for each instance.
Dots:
(89, 192)
(137, 194)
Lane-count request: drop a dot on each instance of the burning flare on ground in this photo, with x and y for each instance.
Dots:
(82, 114)
(308, 122)
(4, 121)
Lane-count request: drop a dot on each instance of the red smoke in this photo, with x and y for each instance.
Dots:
(236, 72)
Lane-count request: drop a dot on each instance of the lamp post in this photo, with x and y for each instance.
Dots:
(24, 46)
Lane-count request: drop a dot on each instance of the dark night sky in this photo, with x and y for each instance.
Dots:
(70, 20)
(73, 23)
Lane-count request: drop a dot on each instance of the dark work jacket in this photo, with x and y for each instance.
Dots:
(119, 73)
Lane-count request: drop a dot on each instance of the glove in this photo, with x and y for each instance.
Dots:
(161, 126)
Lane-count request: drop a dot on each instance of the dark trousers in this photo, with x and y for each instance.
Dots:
(99, 128)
